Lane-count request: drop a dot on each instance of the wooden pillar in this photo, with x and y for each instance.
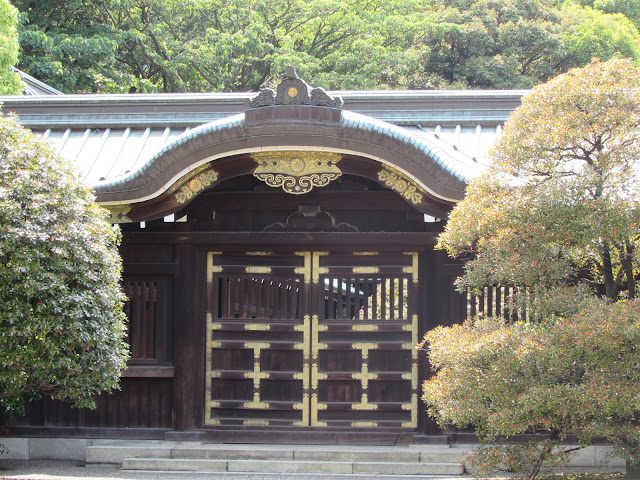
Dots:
(429, 279)
(442, 305)
(189, 338)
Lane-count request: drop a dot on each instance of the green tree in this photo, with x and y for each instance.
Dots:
(9, 81)
(555, 219)
(560, 204)
(629, 8)
(577, 376)
(240, 45)
(589, 34)
(493, 43)
(212, 45)
(72, 47)
(61, 320)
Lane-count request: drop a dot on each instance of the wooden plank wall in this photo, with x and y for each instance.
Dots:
(165, 279)
(145, 399)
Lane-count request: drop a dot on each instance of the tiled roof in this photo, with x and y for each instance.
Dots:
(114, 137)
(33, 86)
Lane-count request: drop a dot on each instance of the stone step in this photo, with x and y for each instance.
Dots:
(115, 453)
(345, 454)
(293, 466)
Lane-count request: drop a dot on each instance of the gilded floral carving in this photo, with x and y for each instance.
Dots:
(196, 185)
(297, 172)
(404, 187)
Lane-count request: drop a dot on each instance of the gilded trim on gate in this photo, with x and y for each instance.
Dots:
(316, 328)
(187, 177)
(316, 376)
(254, 269)
(413, 269)
(256, 403)
(364, 328)
(211, 268)
(413, 346)
(260, 327)
(364, 404)
(316, 269)
(413, 376)
(364, 424)
(304, 406)
(257, 346)
(305, 346)
(364, 376)
(304, 376)
(256, 423)
(365, 270)
(400, 184)
(413, 406)
(365, 347)
(315, 406)
(256, 375)
(306, 269)
(210, 375)
(297, 172)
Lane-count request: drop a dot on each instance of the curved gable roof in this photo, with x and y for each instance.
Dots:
(137, 151)
(299, 127)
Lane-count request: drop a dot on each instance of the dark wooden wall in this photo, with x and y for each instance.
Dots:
(165, 280)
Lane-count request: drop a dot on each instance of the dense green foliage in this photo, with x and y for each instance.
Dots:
(61, 320)
(555, 219)
(578, 375)
(561, 204)
(239, 45)
(9, 81)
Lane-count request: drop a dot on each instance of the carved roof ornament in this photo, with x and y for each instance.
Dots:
(118, 213)
(293, 91)
(396, 181)
(297, 172)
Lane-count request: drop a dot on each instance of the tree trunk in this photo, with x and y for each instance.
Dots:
(626, 259)
(611, 290)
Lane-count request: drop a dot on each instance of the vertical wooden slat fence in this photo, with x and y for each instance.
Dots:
(500, 301)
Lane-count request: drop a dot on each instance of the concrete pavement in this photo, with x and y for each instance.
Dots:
(73, 470)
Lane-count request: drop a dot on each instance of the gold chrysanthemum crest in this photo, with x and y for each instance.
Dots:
(395, 181)
(197, 184)
(297, 172)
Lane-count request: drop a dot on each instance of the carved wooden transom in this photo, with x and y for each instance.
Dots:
(297, 172)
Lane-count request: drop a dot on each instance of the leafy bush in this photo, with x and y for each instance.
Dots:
(577, 376)
(61, 320)
(555, 222)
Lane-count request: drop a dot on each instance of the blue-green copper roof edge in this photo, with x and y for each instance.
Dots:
(433, 151)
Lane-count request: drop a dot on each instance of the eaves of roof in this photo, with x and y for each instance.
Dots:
(442, 107)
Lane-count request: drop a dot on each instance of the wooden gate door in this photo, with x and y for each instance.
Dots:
(313, 339)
